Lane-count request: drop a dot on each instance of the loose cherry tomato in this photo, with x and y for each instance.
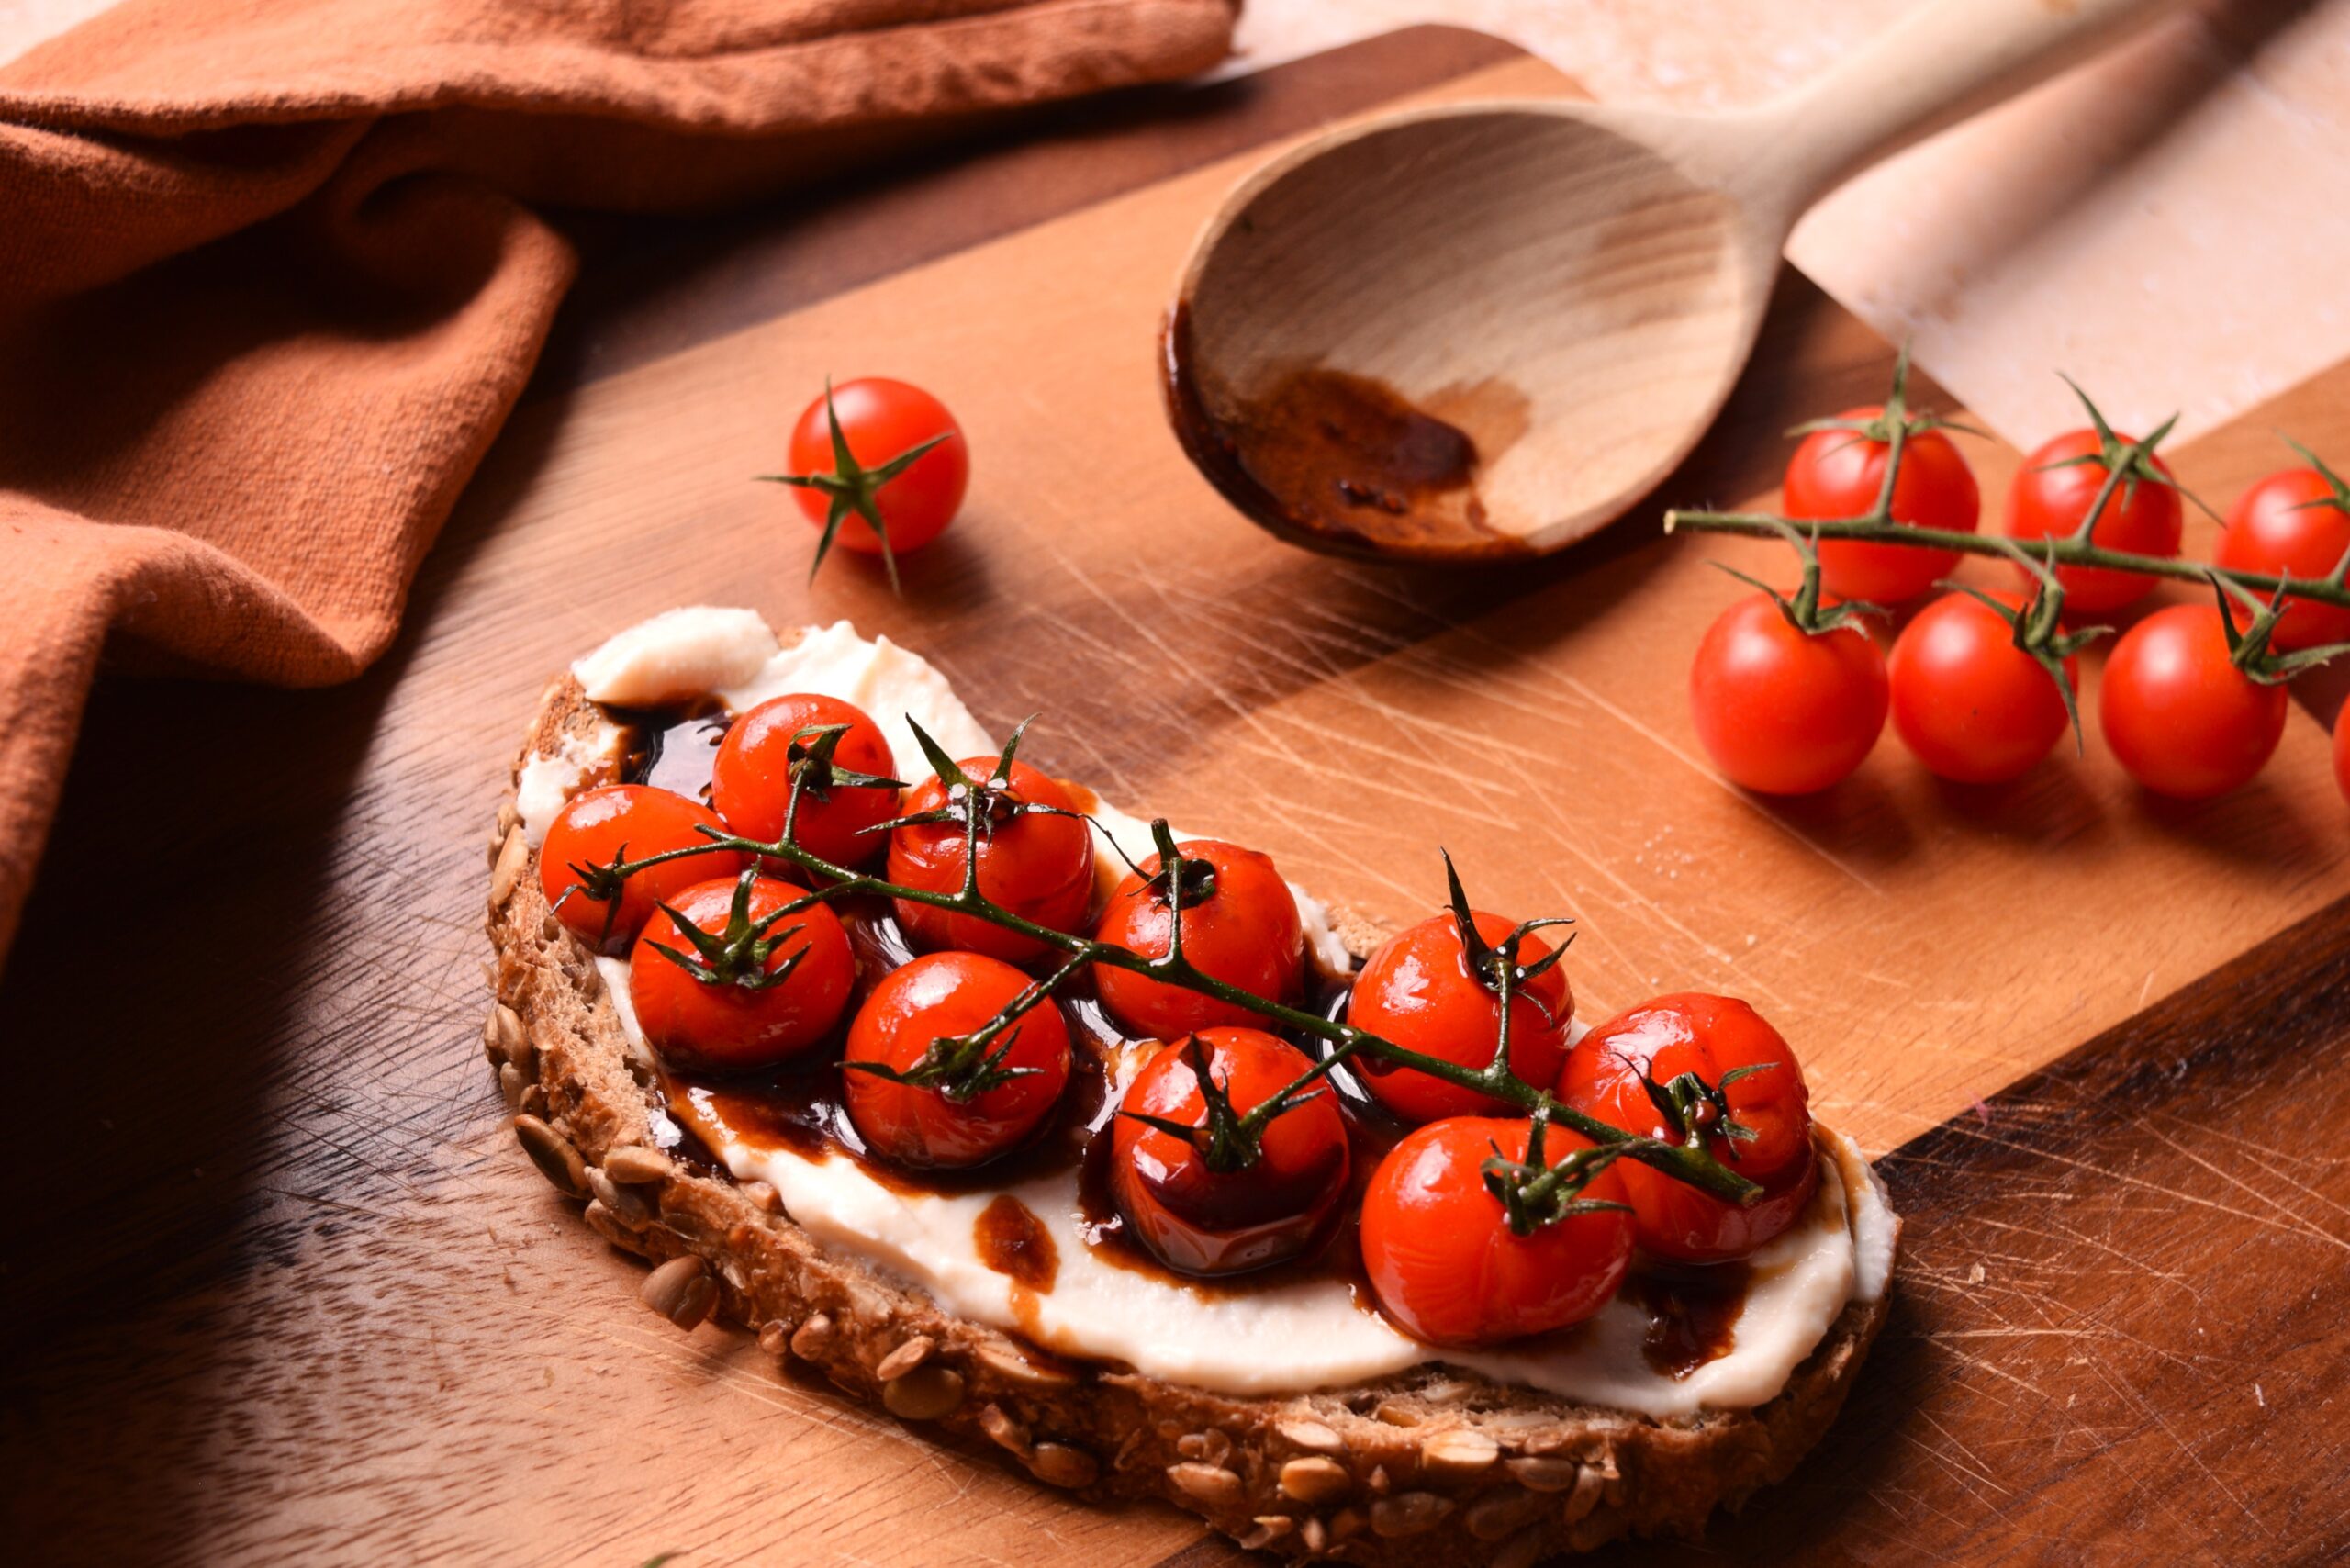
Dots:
(1244, 930)
(1837, 473)
(715, 1006)
(940, 997)
(1421, 992)
(1608, 1075)
(2295, 523)
(1035, 864)
(2048, 502)
(1971, 704)
(882, 420)
(1441, 1256)
(751, 782)
(2179, 715)
(1781, 711)
(1199, 1220)
(2342, 755)
(624, 822)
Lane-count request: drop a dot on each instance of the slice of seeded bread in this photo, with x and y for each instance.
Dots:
(1429, 1466)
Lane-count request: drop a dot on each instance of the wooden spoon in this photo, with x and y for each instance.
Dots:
(1487, 329)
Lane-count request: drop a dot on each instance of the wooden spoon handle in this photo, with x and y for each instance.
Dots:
(1935, 66)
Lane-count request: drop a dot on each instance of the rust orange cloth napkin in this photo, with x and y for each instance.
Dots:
(272, 273)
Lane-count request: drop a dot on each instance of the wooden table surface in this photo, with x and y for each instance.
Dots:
(281, 1290)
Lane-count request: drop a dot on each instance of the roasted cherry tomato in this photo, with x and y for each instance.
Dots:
(751, 783)
(1036, 864)
(1780, 711)
(1667, 1043)
(883, 420)
(1199, 1220)
(753, 988)
(1420, 992)
(2177, 713)
(945, 1108)
(2297, 524)
(624, 822)
(1837, 473)
(1967, 701)
(1441, 1256)
(2053, 491)
(1240, 925)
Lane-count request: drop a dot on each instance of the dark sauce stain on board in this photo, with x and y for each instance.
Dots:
(1344, 463)
(1693, 1315)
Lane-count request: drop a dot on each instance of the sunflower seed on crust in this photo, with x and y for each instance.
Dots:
(1301, 1431)
(1544, 1474)
(1269, 1528)
(1521, 1551)
(1457, 1454)
(1313, 1533)
(513, 1040)
(1004, 1431)
(1501, 1512)
(599, 1219)
(905, 1357)
(552, 1154)
(627, 1204)
(1315, 1480)
(1408, 1513)
(1589, 1487)
(681, 1291)
(1211, 1446)
(1211, 1485)
(1396, 1415)
(1059, 1464)
(775, 1336)
(635, 1164)
(508, 815)
(506, 871)
(924, 1393)
(510, 1084)
(1345, 1522)
(813, 1338)
(1007, 1362)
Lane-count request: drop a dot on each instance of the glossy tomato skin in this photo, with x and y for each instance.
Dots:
(728, 1029)
(1710, 1035)
(2273, 527)
(1199, 1221)
(1246, 933)
(2342, 756)
(1440, 1255)
(1417, 991)
(941, 995)
(1970, 704)
(1036, 865)
(2182, 719)
(1780, 711)
(595, 827)
(751, 781)
(1837, 473)
(2050, 502)
(882, 417)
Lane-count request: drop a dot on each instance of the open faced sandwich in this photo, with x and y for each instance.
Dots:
(1026, 1118)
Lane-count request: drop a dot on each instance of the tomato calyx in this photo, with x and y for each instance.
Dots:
(813, 771)
(738, 955)
(961, 1067)
(1803, 609)
(978, 806)
(2249, 649)
(1893, 424)
(1182, 882)
(1496, 966)
(2338, 501)
(2127, 465)
(853, 487)
(1534, 1192)
(1227, 1140)
(2039, 631)
(1694, 1110)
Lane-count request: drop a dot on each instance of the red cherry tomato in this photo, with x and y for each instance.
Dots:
(882, 417)
(634, 822)
(726, 1026)
(1202, 1221)
(2342, 755)
(1971, 704)
(1784, 713)
(945, 995)
(2179, 716)
(1441, 1254)
(1035, 864)
(2291, 524)
(1711, 1037)
(1837, 473)
(2050, 502)
(1246, 933)
(1418, 991)
(751, 782)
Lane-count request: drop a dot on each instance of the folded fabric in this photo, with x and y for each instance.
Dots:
(272, 274)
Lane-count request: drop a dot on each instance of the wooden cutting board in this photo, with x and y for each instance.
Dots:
(287, 1292)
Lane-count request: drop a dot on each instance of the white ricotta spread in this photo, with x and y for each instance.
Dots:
(678, 654)
(1252, 1340)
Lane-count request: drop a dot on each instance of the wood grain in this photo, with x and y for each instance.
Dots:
(283, 1292)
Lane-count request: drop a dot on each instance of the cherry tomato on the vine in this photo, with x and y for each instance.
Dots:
(725, 1013)
(2292, 524)
(1420, 992)
(633, 821)
(1442, 1259)
(943, 996)
(1245, 931)
(2342, 755)
(1199, 1220)
(1781, 711)
(882, 420)
(2053, 493)
(1967, 701)
(1837, 473)
(2179, 715)
(1608, 1076)
(1038, 865)
(751, 781)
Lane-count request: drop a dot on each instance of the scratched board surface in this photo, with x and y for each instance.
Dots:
(290, 1295)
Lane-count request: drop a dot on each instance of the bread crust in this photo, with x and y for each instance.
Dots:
(1432, 1464)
